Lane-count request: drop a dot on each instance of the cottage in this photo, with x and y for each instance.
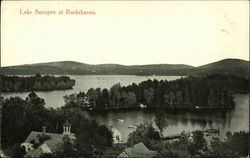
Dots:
(117, 137)
(139, 151)
(38, 143)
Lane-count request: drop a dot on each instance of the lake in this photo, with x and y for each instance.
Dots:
(235, 120)
(83, 83)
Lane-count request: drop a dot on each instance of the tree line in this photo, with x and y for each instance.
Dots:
(35, 83)
(213, 91)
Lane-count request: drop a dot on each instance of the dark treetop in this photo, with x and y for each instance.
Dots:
(36, 83)
(193, 92)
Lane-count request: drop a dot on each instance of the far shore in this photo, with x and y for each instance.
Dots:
(155, 109)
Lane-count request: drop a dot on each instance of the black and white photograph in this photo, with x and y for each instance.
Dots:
(124, 79)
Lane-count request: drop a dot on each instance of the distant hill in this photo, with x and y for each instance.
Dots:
(227, 66)
(77, 68)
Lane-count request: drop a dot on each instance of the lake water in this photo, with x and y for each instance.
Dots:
(235, 120)
(83, 83)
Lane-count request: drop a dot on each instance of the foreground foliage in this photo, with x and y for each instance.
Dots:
(20, 117)
(234, 146)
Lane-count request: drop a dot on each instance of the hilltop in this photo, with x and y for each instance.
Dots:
(227, 66)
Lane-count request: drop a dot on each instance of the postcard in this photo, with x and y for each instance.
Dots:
(124, 79)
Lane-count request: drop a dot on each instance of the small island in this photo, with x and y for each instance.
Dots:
(195, 93)
(35, 83)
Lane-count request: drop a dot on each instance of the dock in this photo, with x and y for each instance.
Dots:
(177, 136)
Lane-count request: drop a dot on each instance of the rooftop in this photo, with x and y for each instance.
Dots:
(50, 145)
(139, 151)
(33, 136)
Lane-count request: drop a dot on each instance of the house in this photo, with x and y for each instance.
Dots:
(38, 143)
(117, 137)
(2, 155)
(139, 151)
(143, 106)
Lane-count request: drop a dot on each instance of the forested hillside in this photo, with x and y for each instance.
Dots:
(227, 66)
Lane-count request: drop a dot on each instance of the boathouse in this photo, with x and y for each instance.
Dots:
(117, 137)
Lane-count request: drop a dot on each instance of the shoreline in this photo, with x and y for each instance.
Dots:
(154, 109)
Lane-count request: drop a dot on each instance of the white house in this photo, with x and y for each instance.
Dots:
(48, 146)
(143, 106)
(117, 137)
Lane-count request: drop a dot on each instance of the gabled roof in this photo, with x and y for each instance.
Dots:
(123, 155)
(51, 144)
(114, 130)
(33, 136)
(34, 153)
(139, 151)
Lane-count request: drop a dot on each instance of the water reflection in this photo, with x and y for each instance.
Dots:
(173, 123)
(160, 120)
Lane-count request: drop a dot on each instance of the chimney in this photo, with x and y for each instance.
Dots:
(44, 129)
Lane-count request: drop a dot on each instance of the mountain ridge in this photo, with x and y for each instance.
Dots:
(226, 66)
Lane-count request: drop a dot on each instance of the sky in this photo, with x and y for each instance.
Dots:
(125, 32)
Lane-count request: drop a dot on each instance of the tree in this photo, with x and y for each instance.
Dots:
(37, 111)
(18, 151)
(35, 100)
(187, 97)
(129, 98)
(38, 75)
(212, 100)
(218, 149)
(148, 96)
(67, 148)
(75, 100)
(70, 101)
(145, 133)
(160, 120)
(48, 155)
(238, 143)
(88, 133)
(37, 82)
(234, 146)
(105, 97)
(115, 94)
(14, 118)
(198, 145)
(105, 136)
(92, 95)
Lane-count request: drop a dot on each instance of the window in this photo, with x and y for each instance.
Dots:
(117, 138)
